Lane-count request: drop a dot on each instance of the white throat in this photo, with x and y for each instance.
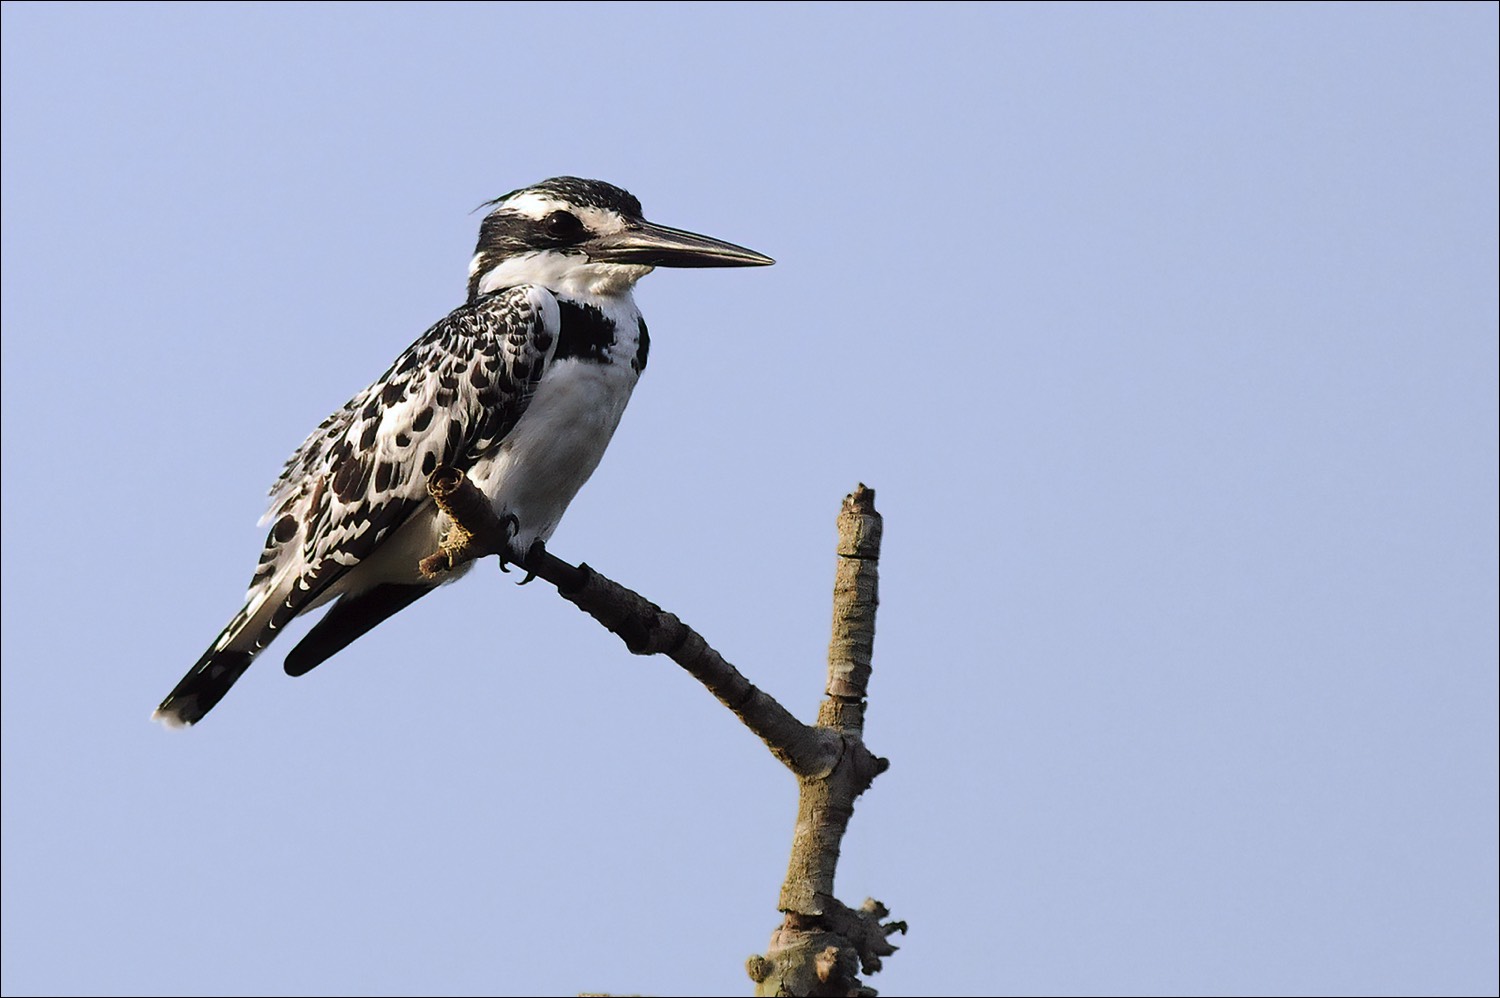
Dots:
(570, 274)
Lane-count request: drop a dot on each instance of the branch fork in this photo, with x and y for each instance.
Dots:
(822, 943)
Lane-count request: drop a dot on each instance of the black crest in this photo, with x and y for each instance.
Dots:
(580, 192)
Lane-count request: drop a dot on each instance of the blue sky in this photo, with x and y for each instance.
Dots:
(1166, 335)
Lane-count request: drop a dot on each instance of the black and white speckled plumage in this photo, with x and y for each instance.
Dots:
(449, 399)
(521, 388)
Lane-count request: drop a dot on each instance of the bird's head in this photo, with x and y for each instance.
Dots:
(584, 237)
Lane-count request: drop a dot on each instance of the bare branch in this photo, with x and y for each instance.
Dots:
(825, 805)
(645, 628)
(822, 944)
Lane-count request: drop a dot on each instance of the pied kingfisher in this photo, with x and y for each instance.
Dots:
(521, 388)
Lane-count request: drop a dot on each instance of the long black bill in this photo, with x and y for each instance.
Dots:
(653, 245)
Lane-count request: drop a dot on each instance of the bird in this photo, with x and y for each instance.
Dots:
(520, 388)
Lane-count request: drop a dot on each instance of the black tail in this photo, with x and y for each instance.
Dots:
(351, 616)
(203, 686)
(208, 680)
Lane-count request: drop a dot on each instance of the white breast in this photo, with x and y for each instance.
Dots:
(554, 448)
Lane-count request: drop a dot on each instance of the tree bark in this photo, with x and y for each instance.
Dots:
(822, 944)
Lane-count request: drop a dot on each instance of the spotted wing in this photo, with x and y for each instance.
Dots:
(449, 399)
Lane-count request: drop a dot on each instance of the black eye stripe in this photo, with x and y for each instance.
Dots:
(505, 234)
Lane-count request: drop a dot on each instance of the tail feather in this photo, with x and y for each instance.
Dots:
(225, 661)
(257, 624)
(353, 615)
(203, 686)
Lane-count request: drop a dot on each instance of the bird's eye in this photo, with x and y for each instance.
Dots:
(562, 225)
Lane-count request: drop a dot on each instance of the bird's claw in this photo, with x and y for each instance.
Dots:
(512, 527)
(535, 551)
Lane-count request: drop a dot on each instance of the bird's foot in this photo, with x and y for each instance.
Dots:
(534, 552)
(512, 527)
